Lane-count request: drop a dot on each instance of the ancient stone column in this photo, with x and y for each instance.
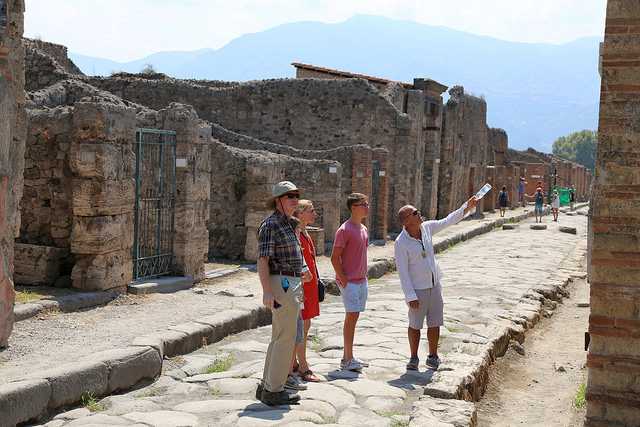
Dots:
(12, 137)
(102, 162)
(613, 396)
(193, 188)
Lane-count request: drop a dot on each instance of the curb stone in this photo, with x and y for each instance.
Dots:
(65, 303)
(22, 401)
(99, 374)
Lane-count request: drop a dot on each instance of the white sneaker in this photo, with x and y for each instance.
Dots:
(350, 365)
(361, 362)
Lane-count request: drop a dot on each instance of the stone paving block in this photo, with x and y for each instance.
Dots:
(250, 345)
(73, 414)
(233, 385)
(360, 417)
(270, 417)
(565, 229)
(215, 405)
(99, 419)
(119, 405)
(164, 418)
(384, 404)
(70, 381)
(538, 226)
(365, 388)
(333, 395)
(431, 412)
(22, 401)
(324, 409)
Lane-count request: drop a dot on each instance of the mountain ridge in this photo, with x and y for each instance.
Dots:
(537, 92)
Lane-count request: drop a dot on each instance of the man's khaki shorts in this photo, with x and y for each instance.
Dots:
(431, 308)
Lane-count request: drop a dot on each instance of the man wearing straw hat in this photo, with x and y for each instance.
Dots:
(281, 269)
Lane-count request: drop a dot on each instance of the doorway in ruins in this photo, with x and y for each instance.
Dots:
(154, 203)
(375, 200)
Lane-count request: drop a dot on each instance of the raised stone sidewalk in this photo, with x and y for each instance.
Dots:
(116, 370)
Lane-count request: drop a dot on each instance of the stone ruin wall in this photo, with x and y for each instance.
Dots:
(81, 188)
(463, 153)
(613, 360)
(341, 156)
(242, 185)
(46, 64)
(303, 114)
(12, 143)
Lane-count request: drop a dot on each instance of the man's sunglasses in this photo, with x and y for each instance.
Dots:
(415, 213)
(291, 196)
(365, 204)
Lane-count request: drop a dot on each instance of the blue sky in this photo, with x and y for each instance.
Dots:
(129, 29)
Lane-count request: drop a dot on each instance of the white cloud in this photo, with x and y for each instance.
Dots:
(129, 29)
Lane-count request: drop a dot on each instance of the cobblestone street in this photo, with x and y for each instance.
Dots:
(495, 287)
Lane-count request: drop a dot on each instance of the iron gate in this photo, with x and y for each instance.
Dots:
(155, 202)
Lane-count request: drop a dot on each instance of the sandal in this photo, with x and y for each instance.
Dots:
(309, 376)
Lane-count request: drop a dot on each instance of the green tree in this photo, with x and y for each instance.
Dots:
(579, 147)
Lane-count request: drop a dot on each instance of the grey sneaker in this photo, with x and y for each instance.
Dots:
(433, 361)
(293, 383)
(350, 365)
(413, 364)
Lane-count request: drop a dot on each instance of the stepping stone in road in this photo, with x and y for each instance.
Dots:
(565, 229)
(571, 214)
(509, 226)
(538, 226)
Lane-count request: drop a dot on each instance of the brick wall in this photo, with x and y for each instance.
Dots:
(613, 361)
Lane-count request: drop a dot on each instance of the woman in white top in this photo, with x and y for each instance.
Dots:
(555, 205)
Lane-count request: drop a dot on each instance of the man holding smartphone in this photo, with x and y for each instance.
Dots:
(282, 270)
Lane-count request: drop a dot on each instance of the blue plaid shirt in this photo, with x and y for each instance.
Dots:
(278, 241)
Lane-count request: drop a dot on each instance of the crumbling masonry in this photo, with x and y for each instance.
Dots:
(12, 130)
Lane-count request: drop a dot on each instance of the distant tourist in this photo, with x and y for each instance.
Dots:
(572, 196)
(538, 198)
(555, 205)
(420, 277)
(503, 200)
(349, 259)
(521, 190)
(281, 268)
(306, 213)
